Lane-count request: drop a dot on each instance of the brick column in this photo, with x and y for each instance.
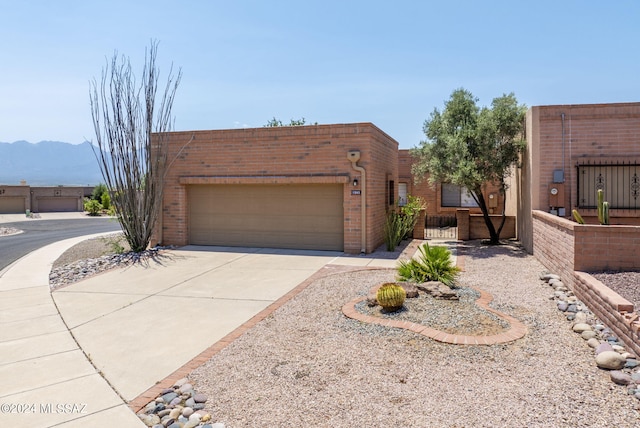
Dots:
(418, 229)
(462, 218)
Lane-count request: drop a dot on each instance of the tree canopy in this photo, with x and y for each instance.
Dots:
(294, 122)
(471, 146)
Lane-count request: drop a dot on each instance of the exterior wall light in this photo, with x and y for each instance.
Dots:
(355, 181)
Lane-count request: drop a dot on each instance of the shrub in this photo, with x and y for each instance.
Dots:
(433, 264)
(411, 211)
(105, 199)
(98, 191)
(394, 230)
(92, 206)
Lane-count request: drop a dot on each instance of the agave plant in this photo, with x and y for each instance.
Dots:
(433, 264)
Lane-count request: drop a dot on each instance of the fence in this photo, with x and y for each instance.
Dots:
(620, 182)
(441, 227)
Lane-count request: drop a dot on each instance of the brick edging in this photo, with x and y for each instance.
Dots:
(517, 330)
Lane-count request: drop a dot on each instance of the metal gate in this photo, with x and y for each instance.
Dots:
(441, 227)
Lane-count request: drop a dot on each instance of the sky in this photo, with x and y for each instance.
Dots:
(245, 62)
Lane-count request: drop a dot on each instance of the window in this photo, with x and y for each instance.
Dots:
(392, 196)
(456, 196)
(619, 181)
(402, 194)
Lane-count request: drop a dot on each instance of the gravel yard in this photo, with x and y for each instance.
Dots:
(626, 284)
(308, 365)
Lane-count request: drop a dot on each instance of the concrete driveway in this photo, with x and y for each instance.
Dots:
(139, 324)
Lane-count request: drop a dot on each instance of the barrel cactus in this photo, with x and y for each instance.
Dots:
(391, 296)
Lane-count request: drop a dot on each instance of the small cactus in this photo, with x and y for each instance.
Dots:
(603, 208)
(605, 213)
(577, 217)
(391, 296)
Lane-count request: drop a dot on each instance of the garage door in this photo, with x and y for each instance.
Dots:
(304, 216)
(12, 205)
(57, 204)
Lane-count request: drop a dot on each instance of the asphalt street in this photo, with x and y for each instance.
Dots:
(43, 232)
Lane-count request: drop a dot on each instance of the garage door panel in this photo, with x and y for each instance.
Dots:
(57, 204)
(279, 216)
(12, 205)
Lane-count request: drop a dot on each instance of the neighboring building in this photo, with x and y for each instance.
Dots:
(285, 187)
(19, 199)
(572, 150)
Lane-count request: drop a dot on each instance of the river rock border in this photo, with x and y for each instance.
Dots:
(517, 330)
(610, 352)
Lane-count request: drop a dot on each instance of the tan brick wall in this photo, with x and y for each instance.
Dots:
(568, 249)
(432, 194)
(47, 192)
(304, 154)
(591, 131)
(17, 191)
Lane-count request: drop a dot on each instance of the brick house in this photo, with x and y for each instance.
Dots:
(308, 187)
(20, 198)
(571, 151)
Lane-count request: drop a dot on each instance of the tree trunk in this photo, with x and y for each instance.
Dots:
(494, 236)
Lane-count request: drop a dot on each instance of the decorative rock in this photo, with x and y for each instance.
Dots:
(175, 413)
(185, 387)
(190, 402)
(188, 411)
(610, 360)
(200, 398)
(593, 343)
(631, 363)
(572, 299)
(635, 377)
(598, 327)
(438, 290)
(618, 348)
(180, 382)
(572, 308)
(175, 401)
(174, 425)
(168, 397)
(589, 334)
(571, 316)
(620, 378)
(206, 418)
(410, 289)
(198, 406)
(580, 327)
(372, 300)
(562, 306)
(581, 317)
(549, 276)
(196, 416)
(603, 347)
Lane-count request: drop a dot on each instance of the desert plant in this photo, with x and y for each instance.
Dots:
(391, 296)
(105, 199)
(411, 212)
(394, 230)
(92, 206)
(433, 264)
(603, 213)
(577, 217)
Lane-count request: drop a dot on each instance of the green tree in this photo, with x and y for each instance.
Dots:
(98, 191)
(277, 122)
(471, 146)
(125, 113)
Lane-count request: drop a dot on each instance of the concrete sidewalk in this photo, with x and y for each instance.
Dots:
(137, 325)
(46, 379)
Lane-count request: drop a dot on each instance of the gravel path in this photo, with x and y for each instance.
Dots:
(307, 365)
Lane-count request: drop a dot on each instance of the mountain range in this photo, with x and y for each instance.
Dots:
(49, 163)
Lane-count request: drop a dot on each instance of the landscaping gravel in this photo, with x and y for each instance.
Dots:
(626, 284)
(308, 365)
